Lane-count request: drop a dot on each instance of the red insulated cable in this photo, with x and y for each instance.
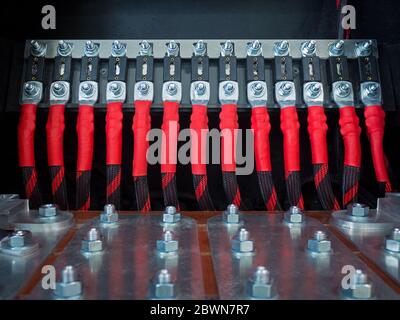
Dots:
(375, 123)
(114, 118)
(55, 155)
(228, 126)
(291, 147)
(140, 127)
(85, 130)
(169, 149)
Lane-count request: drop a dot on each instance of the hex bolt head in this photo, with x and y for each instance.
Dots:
(314, 90)
(294, 215)
(308, 48)
(241, 243)
(64, 48)
(145, 48)
(59, 89)
(361, 287)
(319, 243)
(31, 89)
(200, 48)
(227, 48)
(170, 215)
(392, 241)
(172, 48)
(168, 243)
(200, 89)
(92, 241)
(69, 286)
(38, 49)
(285, 89)
(343, 90)
(358, 210)
(254, 48)
(257, 89)
(143, 88)
(172, 89)
(231, 214)
(48, 210)
(229, 89)
(336, 48)
(109, 214)
(281, 48)
(260, 285)
(163, 287)
(20, 238)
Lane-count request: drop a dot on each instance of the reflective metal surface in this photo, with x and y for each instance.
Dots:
(282, 249)
(129, 261)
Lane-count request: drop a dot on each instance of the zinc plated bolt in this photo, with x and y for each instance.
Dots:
(364, 48)
(143, 88)
(229, 89)
(358, 210)
(372, 90)
(285, 89)
(168, 243)
(64, 48)
(115, 88)
(92, 241)
(200, 48)
(227, 48)
(336, 48)
(31, 89)
(91, 49)
(281, 48)
(170, 215)
(308, 48)
(163, 286)
(392, 241)
(231, 214)
(257, 89)
(361, 287)
(69, 286)
(20, 238)
(254, 48)
(343, 90)
(319, 243)
(87, 89)
(200, 89)
(48, 210)
(260, 285)
(242, 243)
(172, 48)
(294, 215)
(145, 48)
(59, 89)
(109, 214)
(38, 49)
(314, 90)
(172, 89)
(118, 49)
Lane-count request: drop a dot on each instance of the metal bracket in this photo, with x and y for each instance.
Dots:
(167, 96)
(197, 96)
(113, 96)
(226, 97)
(56, 98)
(88, 99)
(340, 100)
(257, 94)
(144, 95)
(311, 99)
(288, 100)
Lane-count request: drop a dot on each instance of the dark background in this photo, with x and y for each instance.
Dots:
(197, 20)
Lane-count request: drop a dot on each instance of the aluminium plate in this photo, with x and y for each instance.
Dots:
(282, 249)
(129, 261)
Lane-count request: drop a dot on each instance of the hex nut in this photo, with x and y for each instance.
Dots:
(292, 217)
(361, 291)
(20, 238)
(92, 245)
(261, 291)
(242, 246)
(108, 218)
(164, 290)
(231, 217)
(167, 246)
(358, 210)
(171, 218)
(68, 290)
(319, 246)
(48, 210)
(392, 245)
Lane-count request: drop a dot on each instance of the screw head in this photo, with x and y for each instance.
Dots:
(172, 89)
(285, 89)
(257, 89)
(31, 89)
(200, 48)
(343, 90)
(87, 89)
(229, 89)
(115, 88)
(200, 89)
(314, 90)
(372, 90)
(143, 88)
(59, 89)
(281, 48)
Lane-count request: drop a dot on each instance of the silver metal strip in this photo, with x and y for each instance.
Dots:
(282, 249)
(130, 260)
